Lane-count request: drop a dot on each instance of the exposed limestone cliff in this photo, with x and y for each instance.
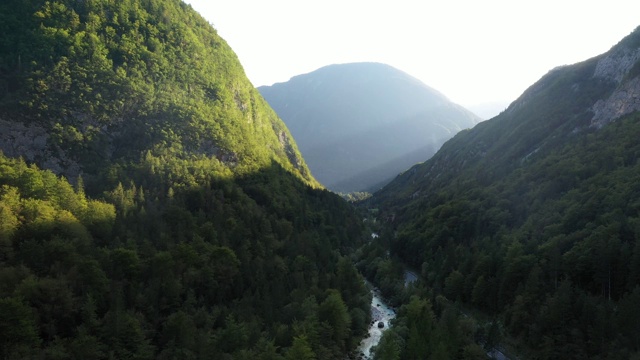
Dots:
(616, 67)
(624, 100)
(616, 64)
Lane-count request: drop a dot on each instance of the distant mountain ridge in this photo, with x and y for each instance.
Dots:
(358, 125)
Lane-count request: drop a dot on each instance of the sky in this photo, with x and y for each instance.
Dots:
(476, 52)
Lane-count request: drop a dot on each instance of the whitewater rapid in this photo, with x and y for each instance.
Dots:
(380, 312)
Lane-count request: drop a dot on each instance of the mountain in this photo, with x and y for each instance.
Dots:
(359, 125)
(80, 92)
(152, 204)
(533, 216)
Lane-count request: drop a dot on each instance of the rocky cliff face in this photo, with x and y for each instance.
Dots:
(32, 143)
(624, 100)
(618, 66)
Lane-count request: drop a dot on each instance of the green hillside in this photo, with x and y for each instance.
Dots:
(109, 81)
(152, 205)
(533, 217)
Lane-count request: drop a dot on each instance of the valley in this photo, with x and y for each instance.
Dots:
(155, 205)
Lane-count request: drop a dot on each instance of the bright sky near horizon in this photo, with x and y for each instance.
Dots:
(472, 51)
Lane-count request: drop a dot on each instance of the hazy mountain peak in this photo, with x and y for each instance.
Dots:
(366, 72)
(360, 124)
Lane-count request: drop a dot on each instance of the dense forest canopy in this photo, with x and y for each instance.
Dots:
(234, 268)
(177, 219)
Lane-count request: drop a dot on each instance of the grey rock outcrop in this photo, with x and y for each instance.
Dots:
(32, 143)
(616, 65)
(623, 101)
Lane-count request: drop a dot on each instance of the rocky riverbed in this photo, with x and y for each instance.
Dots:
(380, 313)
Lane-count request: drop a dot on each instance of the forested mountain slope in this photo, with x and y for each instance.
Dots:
(358, 125)
(193, 228)
(534, 215)
(85, 85)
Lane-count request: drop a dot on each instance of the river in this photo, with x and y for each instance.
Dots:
(380, 312)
